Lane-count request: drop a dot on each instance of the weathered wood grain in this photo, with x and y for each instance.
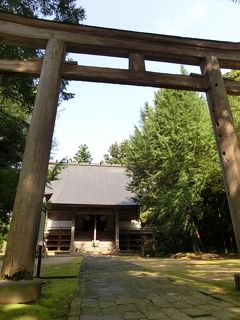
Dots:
(136, 62)
(226, 138)
(24, 31)
(23, 233)
(109, 32)
(72, 71)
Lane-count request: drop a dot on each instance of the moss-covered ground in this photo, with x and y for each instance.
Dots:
(56, 295)
(216, 275)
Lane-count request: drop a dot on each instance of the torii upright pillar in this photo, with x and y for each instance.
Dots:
(226, 138)
(22, 238)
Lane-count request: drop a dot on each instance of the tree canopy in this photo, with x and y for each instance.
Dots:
(83, 155)
(116, 153)
(58, 10)
(176, 174)
(23, 89)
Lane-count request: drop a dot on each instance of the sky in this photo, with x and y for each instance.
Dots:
(101, 114)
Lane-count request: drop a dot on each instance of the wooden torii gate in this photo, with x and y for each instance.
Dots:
(58, 38)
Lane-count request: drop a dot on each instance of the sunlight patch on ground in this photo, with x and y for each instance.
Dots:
(9, 307)
(216, 275)
(138, 274)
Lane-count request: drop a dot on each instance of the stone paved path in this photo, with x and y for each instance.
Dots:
(113, 289)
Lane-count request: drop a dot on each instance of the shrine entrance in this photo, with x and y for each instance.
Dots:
(59, 38)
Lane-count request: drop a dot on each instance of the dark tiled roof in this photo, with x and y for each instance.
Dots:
(89, 184)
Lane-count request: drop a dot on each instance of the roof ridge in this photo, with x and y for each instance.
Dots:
(82, 164)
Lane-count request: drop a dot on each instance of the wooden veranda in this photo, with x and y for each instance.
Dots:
(59, 38)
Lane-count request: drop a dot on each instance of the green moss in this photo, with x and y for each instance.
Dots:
(56, 295)
(213, 275)
(216, 275)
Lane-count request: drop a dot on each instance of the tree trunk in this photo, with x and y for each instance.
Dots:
(22, 238)
(198, 244)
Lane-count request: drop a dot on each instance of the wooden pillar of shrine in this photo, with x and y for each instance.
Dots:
(117, 230)
(226, 138)
(22, 238)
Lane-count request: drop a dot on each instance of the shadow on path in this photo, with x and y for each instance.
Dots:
(113, 289)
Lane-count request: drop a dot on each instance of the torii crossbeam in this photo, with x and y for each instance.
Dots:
(58, 38)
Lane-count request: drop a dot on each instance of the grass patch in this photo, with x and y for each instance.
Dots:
(56, 295)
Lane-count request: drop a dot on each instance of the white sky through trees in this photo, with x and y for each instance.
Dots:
(101, 114)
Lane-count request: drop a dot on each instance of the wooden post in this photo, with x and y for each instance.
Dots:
(237, 281)
(39, 263)
(40, 241)
(226, 138)
(136, 62)
(117, 230)
(95, 230)
(73, 232)
(22, 238)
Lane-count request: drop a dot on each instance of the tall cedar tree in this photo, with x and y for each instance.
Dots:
(116, 153)
(173, 162)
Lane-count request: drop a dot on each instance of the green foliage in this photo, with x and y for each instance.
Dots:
(12, 138)
(13, 128)
(54, 171)
(8, 182)
(174, 166)
(116, 153)
(23, 89)
(83, 155)
(59, 10)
